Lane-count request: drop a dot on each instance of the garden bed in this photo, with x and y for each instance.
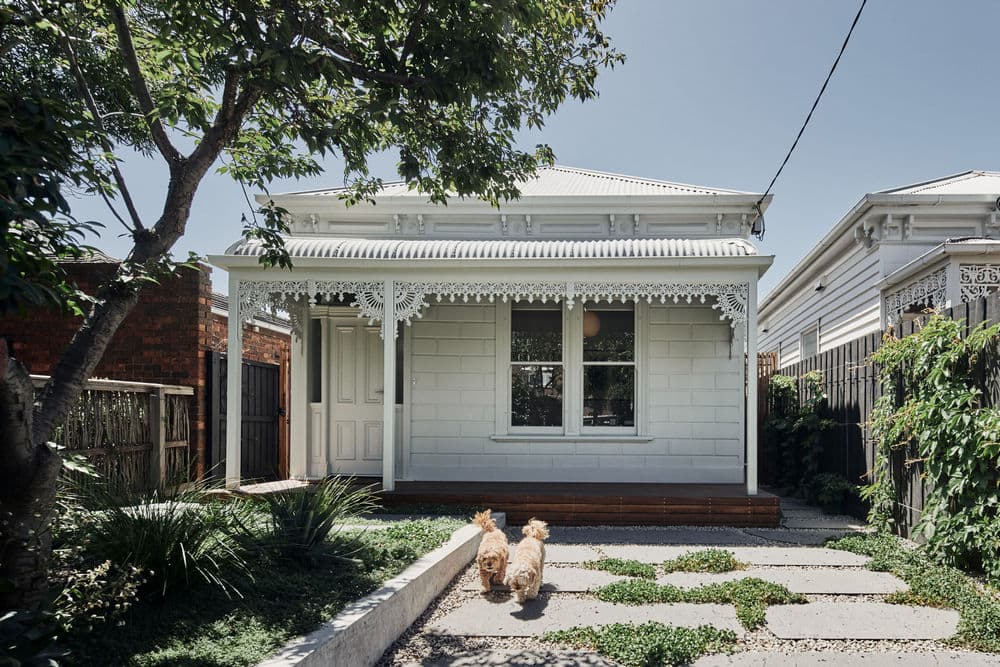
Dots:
(204, 626)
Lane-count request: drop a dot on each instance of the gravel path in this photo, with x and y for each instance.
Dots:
(418, 646)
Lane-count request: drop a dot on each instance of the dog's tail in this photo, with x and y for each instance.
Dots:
(484, 521)
(536, 529)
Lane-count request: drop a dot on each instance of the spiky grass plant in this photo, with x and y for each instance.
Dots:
(307, 524)
(174, 539)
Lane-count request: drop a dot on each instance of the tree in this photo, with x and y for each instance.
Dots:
(259, 89)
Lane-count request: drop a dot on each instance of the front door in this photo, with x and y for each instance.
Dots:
(356, 394)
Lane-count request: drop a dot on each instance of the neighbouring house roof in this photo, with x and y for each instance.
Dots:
(974, 185)
(220, 304)
(407, 249)
(91, 257)
(973, 182)
(560, 181)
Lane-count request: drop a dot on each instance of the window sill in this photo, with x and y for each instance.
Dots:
(607, 437)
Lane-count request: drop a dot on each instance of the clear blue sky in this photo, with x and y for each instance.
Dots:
(713, 93)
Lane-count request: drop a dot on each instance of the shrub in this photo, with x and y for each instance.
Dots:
(651, 644)
(305, 524)
(705, 560)
(831, 492)
(793, 430)
(28, 638)
(175, 540)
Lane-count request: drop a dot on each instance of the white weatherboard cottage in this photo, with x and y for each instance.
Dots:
(595, 330)
(896, 253)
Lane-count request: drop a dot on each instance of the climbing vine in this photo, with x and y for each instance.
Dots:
(794, 430)
(932, 420)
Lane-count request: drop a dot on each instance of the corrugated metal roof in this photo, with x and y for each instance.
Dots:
(967, 183)
(559, 181)
(408, 249)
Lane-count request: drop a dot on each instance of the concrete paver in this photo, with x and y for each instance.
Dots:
(826, 581)
(564, 553)
(860, 620)
(751, 555)
(867, 659)
(487, 618)
(564, 579)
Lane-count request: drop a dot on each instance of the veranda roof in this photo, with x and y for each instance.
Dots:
(411, 249)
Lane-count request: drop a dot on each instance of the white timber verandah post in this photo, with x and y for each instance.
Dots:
(751, 407)
(234, 386)
(389, 388)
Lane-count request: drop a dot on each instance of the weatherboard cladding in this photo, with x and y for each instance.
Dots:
(561, 181)
(396, 249)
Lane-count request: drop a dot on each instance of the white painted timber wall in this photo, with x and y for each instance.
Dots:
(692, 430)
(846, 308)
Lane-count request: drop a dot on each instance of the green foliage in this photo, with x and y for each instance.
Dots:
(794, 429)
(306, 523)
(27, 639)
(933, 584)
(283, 600)
(36, 228)
(831, 492)
(624, 567)
(651, 644)
(705, 560)
(174, 540)
(931, 414)
(750, 596)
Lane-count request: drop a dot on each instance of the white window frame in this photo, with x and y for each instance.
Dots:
(813, 330)
(608, 430)
(510, 363)
(572, 364)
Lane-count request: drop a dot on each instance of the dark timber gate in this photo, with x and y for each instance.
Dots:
(261, 409)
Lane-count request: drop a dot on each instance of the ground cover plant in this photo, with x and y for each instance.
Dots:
(705, 560)
(750, 596)
(623, 567)
(933, 415)
(650, 644)
(284, 599)
(933, 584)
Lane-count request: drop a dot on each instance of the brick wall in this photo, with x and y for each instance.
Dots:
(165, 339)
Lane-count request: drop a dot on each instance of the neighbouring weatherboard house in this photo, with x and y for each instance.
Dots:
(894, 255)
(595, 330)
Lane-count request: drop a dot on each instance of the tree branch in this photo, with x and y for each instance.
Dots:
(84, 90)
(411, 37)
(141, 90)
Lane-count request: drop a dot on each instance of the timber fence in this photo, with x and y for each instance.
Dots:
(851, 383)
(137, 434)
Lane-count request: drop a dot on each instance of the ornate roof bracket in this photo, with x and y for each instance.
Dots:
(933, 287)
(978, 280)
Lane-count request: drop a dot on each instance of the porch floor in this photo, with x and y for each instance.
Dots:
(587, 504)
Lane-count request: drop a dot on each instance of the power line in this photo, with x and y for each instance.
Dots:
(759, 231)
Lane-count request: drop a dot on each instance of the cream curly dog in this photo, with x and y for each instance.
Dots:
(525, 574)
(491, 559)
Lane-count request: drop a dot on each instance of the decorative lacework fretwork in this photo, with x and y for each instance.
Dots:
(731, 298)
(978, 280)
(293, 295)
(931, 290)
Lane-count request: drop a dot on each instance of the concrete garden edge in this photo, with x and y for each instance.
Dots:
(364, 629)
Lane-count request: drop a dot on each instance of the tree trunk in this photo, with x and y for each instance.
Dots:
(30, 475)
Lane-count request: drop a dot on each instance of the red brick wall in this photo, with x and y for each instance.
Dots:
(165, 339)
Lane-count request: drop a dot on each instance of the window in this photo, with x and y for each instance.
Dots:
(536, 366)
(608, 334)
(809, 343)
(315, 371)
(573, 371)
